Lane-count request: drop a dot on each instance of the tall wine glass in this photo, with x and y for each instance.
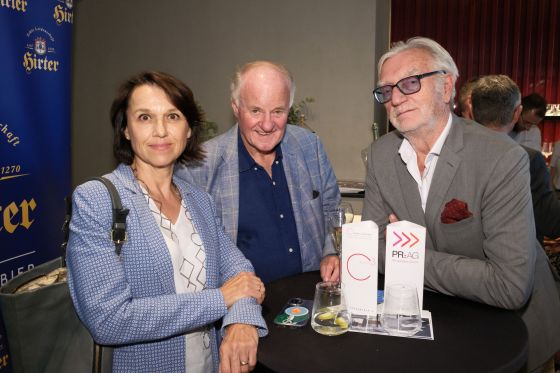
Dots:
(346, 207)
(546, 150)
(336, 219)
(342, 215)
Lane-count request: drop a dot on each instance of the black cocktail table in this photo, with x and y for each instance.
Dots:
(469, 337)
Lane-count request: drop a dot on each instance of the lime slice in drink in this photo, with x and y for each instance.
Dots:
(326, 316)
(340, 321)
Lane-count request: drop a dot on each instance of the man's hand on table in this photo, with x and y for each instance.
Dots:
(330, 268)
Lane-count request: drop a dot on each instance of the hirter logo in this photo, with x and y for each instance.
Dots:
(40, 46)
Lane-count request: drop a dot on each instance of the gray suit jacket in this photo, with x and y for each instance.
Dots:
(311, 182)
(492, 257)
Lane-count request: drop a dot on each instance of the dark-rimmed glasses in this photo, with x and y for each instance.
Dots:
(407, 86)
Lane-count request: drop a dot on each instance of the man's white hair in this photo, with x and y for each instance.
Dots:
(441, 58)
(237, 80)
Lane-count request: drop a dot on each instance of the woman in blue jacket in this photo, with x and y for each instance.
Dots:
(178, 273)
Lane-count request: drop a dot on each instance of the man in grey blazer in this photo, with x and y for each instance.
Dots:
(272, 182)
(468, 186)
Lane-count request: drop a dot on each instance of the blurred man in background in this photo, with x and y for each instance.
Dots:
(464, 99)
(526, 131)
(496, 104)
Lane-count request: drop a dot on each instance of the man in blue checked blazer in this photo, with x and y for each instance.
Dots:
(272, 182)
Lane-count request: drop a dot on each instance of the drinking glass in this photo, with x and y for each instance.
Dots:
(342, 215)
(336, 219)
(546, 150)
(401, 312)
(330, 315)
(364, 155)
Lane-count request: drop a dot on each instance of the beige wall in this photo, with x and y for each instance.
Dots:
(328, 45)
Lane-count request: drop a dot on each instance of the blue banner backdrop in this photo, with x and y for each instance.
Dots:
(35, 71)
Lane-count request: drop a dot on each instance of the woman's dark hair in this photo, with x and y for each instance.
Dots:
(180, 96)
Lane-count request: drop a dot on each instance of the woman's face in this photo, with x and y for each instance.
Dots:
(157, 130)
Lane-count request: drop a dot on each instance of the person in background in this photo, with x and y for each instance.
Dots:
(464, 100)
(468, 186)
(178, 272)
(496, 104)
(272, 182)
(555, 167)
(526, 132)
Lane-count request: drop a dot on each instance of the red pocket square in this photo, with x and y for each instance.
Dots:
(454, 211)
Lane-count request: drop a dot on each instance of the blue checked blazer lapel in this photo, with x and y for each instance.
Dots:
(228, 179)
(158, 254)
(294, 166)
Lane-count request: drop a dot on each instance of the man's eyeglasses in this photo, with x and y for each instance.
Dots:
(407, 86)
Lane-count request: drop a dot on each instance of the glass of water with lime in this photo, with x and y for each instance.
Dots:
(330, 315)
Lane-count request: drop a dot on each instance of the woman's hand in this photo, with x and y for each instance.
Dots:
(244, 284)
(238, 351)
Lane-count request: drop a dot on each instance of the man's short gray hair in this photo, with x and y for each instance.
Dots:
(441, 58)
(494, 100)
(237, 80)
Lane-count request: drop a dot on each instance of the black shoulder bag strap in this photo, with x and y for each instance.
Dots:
(66, 229)
(118, 229)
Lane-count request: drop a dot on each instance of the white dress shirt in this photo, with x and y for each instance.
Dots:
(409, 157)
